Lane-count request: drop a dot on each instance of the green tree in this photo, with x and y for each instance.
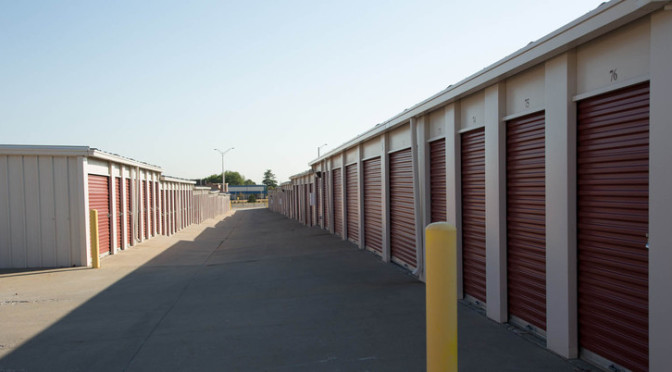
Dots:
(249, 182)
(252, 198)
(214, 178)
(234, 178)
(269, 179)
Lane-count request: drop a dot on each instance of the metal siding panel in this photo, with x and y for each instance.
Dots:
(5, 215)
(32, 205)
(62, 208)
(47, 211)
(99, 199)
(402, 208)
(613, 176)
(473, 213)
(437, 179)
(373, 205)
(78, 211)
(352, 199)
(338, 202)
(526, 218)
(18, 212)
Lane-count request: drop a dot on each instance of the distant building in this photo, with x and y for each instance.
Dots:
(242, 192)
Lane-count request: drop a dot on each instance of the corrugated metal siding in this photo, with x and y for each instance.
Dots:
(310, 207)
(99, 199)
(318, 200)
(437, 179)
(352, 199)
(373, 205)
(402, 208)
(473, 213)
(338, 202)
(163, 212)
(42, 195)
(526, 218)
(613, 176)
(119, 206)
(129, 212)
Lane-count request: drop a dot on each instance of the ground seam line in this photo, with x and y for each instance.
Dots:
(182, 291)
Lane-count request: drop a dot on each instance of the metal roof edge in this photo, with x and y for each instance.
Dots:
(606, 17)
(45, 150)
(99, 154)
(177, 179)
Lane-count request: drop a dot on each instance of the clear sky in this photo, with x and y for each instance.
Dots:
(166, 82)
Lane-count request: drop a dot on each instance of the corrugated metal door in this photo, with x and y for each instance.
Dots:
(129, 212)
(473, 213)
(318, 200)
(338, 202)
(402, 209)
(120, 210)
(437, 175)
(163, 212)
(373, 205)
(352, 199)
(99, 199)
(613, 222)
(151, 209)
(526, 218)
(145, 212)
(325, 211)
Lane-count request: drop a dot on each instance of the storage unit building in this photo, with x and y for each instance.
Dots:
(46, 193)
(557, 175)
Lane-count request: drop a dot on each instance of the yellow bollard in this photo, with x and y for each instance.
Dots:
(95, 255)
(441, 297)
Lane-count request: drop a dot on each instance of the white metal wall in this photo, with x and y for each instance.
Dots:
(43, 213)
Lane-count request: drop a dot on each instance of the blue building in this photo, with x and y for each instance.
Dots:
(242, 192)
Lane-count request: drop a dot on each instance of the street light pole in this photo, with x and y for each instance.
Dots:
(318, 149)
(223, 153)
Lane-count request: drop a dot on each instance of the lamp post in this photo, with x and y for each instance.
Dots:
(223, 153)
(318, 149)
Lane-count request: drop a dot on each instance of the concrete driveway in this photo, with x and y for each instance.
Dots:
(252, 292)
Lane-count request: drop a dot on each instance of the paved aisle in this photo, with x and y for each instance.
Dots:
(255, 292)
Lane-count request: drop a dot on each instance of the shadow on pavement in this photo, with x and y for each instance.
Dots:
(256, 292)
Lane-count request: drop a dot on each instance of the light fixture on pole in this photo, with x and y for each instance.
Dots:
(223, 153)
(318, 149)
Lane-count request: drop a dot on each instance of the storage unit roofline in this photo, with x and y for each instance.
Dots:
(178, 180)
(605, 18)
(49, 150)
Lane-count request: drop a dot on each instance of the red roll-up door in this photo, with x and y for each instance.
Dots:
(99, 199)
(318, 200)
(352, 200)
(129, 212)
(325, 210)
(174, 209)
(151, 209)
(437, 178)
(120, 209)
(526, 218)
(373, 205)
(338, 202)
(473, 213)
(613, 223)
(163, 212)
(402, 209)
(145, 212)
